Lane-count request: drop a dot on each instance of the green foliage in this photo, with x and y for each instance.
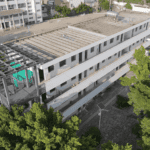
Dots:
(40, 129)
(128, 6)
(104, 4)
(95, 133)
(147, 1)
(122, 102)
(137, 130)
(135, 1)
(140, 95)
(113, 146)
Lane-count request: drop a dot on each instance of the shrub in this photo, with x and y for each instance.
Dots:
(105, 5)
(95, 132)
(128, 6)
(122, 102)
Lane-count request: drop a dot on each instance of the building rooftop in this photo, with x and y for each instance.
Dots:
(10, 12)
(108, 26)
(57, 43)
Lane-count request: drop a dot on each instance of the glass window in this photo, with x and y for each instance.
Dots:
(51, 68)
(62, 63)
(73, 78)
(109, 57)
(105, 43)
(103, 61)
(52, 90)
(118, 37)
(91, 68)
(111, 41)
(63, 83)
(73, 58)
(92, 49)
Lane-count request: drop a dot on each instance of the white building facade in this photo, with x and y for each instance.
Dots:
(91, 69)
(15, 13)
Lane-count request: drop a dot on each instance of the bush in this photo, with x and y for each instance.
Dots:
(95, 132)
(122, 102)
(128, 6)
(105, 5)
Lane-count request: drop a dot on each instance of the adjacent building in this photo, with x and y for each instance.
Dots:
(16, 13)
(68, 67)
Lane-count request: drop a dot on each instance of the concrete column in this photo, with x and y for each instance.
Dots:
(133, 32)
(26, 74)
(9, 23)
(13, 21)
(147, 26)
(36, 80)
(41, 102)
(4, 23)
(23, 19)
(30, 104)
(6, 91)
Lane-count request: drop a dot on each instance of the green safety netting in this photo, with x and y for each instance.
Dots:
(21, 74)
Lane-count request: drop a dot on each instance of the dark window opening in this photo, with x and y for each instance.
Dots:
(105, 43)
(111, 41)
(109, 57)
(141, 27)
(73, 78)
(73, 58)
(41, 75)
(80, 57)
(136, 29)
(92, 49)
(52, 90)
(63, 83)
(115, 54)
(80, 76)
(118, 37)
(91, 68)
(51, 68)
(62, 63)
(103, 61)
(86, 54)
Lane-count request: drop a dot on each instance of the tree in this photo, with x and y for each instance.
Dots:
(139, 94)
(39, 129)
(104, 4)
(113, 146)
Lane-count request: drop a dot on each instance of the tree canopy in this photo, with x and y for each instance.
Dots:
(139, 94)
(40, 129)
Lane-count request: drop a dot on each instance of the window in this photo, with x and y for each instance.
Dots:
(51, 68)
(25, 13)
(133, 43)
(38, 17)
(137, 41)
(144, 25)
(71, 5)
(73, 58)
(115, 54)
(111, 40)
(29, 10)
(103, 61)
(62, 63)
(105, 43)
(52, 90)
(16, 15)
(21, 5)
(91, 68)
(118, 37)
(92, 49)
(38, 10)
(37, 3)
(6, 17)
(73, 78)
(31, 18)
(136, 29)
(63, 83)
(109, 57)
(141, 27)
(30, 13)
(29, 6)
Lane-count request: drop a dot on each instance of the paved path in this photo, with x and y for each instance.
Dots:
(96, 113)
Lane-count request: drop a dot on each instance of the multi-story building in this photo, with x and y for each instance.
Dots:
(15, 13)
(70, 66)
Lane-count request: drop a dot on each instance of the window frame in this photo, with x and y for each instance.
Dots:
(63, 83)
(111, 40)
(73, 58)
(64, 63)
(50, 69)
